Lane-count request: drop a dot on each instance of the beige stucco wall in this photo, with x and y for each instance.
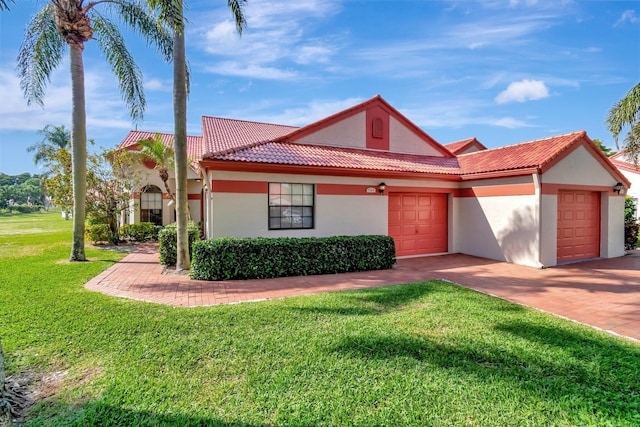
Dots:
(634, 191)
(403, 140)
(580, 168)
(612, 208)
(503, 228)
(246, 214)
(548, 229)
(349, 132)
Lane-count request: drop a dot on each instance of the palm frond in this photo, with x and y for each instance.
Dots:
(236, 7)
(632, 144)
(40, 53)
(155, 150)
(122, 64)
(4, 4)
(142, 20)
(625, 112)
(170, 12)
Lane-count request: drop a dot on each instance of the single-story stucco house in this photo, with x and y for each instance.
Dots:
(632, 173)
(370, 170)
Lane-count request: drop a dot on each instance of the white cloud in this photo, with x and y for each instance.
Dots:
(525, 90)
(232, 68)
(510, 123)
(277, 33)
(104, 106)
(452, 113)
(627, 16)
(305, 114)
(311, 54)
(158, 85)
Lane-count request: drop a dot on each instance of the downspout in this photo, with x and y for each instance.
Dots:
(538, 192)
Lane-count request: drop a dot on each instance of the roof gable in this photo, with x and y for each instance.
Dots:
(372, 124)
(465, 146)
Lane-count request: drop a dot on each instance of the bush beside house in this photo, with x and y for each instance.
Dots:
(262, 258)
(631, 225)
(168, 242)
(140, 232)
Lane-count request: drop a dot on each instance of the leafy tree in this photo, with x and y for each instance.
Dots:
(172, 13)
(626, 112)
(54, 137)
(59, 183)
(22, 189)
(111, 180)
(161, 155)
(71, 23)
(606, 150)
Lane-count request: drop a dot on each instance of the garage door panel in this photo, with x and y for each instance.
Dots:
(418, 223)
(578, 225)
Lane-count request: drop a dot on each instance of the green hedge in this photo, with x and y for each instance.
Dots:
(262, 258)
(98, 233)
(140, 232)
(631, 231)
(168, 242)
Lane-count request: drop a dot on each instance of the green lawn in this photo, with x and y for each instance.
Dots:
(421, 354)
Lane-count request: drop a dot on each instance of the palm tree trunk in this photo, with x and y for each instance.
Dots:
(183, 261)
(79, 152)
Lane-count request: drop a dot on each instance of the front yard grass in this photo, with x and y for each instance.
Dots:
(421, 354)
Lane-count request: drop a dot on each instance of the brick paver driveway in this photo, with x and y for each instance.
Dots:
(601, 293)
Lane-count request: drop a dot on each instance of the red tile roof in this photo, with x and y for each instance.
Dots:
(315, 155)
(194, 144)
(622, 162)
(459, 146)
(528, 155)
(224, 135)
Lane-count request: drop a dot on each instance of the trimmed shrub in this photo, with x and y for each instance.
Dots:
(263, 258)
(98, 233)
(25, 209)
(168, 242)
(140, 232)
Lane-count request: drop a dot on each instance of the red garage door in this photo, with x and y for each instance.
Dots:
(418, 223)
(578, 225)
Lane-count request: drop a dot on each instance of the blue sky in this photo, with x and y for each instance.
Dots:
(502, 71)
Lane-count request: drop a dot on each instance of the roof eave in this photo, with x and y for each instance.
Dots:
(499, 174)
(235, 166)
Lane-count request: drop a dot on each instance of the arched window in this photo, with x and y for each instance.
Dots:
(151, 205)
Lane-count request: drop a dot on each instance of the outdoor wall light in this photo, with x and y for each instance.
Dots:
(381, 187)
(618, 187)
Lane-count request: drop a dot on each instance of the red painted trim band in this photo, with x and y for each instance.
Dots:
(526, 189)
(259, 187)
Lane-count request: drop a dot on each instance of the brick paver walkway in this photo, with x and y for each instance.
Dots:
(601, 293)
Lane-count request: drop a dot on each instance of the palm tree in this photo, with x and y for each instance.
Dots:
(71, 23)
(172, 12)
(55, 137)
(626, 112)
(162, 156)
